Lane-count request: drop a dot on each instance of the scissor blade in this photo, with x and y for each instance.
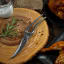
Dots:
(20, 47)
(25, 38)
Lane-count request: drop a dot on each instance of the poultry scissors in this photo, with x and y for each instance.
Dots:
(27, 35)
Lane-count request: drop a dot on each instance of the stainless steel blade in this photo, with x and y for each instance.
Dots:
(20, 47)
(26, 37)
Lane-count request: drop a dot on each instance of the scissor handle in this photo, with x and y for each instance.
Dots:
(60, 37)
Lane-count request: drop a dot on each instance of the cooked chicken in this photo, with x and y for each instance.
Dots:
(57, 7)
(56, 46)
(60, 59)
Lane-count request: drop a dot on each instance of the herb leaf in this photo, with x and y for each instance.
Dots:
(11, 27)
(9, 31)
(13, 21)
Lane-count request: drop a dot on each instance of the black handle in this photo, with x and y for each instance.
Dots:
(44, 59)
(60, 37)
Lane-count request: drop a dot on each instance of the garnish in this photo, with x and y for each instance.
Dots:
(9, 30)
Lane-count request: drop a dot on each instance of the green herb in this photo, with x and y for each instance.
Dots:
(9, 30)
(13, 21)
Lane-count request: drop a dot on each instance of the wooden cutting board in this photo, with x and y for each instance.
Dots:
(34, 44)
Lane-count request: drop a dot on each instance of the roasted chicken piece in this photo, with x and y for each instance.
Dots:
(60, 59)
(57, 46)
(57, 7)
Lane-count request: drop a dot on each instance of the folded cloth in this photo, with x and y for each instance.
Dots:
(32, 4)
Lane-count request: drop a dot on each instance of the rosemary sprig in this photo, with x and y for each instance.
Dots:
(9, 30)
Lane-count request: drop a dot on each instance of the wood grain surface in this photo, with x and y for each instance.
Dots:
(34, 44)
